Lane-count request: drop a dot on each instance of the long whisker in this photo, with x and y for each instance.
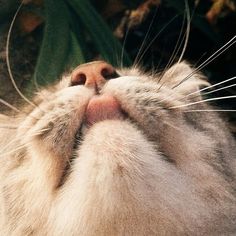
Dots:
(10, 143)
(9, 105)
(176, 49)
(156, 36)
(173, 126)
(211, 86)
(216, 90)
(15, 109)
(213, 58)
(15, 127)
(123, 47)
(8, 60)
(201, 90)
(187, 30)
(8, 127)
(210, 110)
(37, 86)
(210, 59)
(63, 114)
(198, 60)
(203, 101)
(219, 51)
(136, 60)
(12, 151)
(21, 145)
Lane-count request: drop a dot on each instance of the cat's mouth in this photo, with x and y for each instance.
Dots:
(103, 107)
(99, 108)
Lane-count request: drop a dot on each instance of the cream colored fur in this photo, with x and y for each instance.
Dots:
(158, 172)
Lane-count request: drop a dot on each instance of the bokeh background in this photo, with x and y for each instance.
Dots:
(51, 37)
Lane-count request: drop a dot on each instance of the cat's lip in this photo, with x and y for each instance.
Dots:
(99, 108)
(103, 107)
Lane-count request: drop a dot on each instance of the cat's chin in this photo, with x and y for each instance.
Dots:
(103, 107)
(111, 137)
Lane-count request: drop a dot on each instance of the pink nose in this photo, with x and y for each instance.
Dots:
(93, 74)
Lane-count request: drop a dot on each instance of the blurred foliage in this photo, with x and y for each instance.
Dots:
(62, 38)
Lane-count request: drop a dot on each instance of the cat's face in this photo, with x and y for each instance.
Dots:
(109, 152)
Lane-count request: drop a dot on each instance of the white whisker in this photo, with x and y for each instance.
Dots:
(15, 109)
(8, 127)
(210, 59)
(9, 105)
(216, 90)
(21, 145)
(187, 30)
(123, 48)
(10, 143)
(210, 110)
(198, 92)
(11, 151)
(175, 51)
(137, 60)
(203, 101)
(198, 61)
(186, 36)
(8, 59)
(210, 92)
(173, 126)
(211, 86)
(36, 82)
(156, 36)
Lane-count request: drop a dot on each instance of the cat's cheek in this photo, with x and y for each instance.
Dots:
(49, 141)
(61, 104)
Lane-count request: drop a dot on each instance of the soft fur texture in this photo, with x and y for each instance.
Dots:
(159, 171)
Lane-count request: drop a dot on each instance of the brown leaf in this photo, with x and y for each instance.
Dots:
(139, 15)
(133, 18)
(217, 8)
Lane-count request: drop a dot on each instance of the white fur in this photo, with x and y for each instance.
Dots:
(120, 181)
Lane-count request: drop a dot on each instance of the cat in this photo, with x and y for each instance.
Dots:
(110, 151)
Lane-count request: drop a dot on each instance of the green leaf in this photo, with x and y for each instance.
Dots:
(76, 55)
(55, 45)
(108, 46)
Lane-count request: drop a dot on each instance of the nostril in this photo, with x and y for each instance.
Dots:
(78, 79)
(109, 73)
(93, 74)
